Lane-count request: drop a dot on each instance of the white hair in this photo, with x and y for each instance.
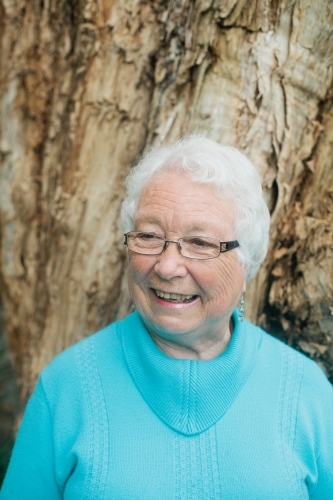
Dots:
(229, 171)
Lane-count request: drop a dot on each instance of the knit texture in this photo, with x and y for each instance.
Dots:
(187, 395)
(114, 418)
(97, 419)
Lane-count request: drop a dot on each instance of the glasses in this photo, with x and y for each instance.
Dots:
(193, 247)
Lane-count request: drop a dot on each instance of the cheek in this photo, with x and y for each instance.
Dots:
(139, 267)
(225, 279)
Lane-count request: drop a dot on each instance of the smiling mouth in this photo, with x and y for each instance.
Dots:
(174, 297)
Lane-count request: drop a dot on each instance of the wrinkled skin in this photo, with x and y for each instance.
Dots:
(174, 206)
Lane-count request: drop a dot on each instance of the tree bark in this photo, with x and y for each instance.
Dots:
(87, 86)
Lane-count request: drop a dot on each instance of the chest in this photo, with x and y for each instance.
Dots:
(239, 457)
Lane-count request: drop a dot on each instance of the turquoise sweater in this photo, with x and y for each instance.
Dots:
(114, 418)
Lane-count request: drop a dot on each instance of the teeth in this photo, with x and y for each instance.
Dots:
(174, 296)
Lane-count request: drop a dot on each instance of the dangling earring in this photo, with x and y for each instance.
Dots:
(241, 309)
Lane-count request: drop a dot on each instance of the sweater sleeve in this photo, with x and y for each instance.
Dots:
(324, 486)
(315, 431)
(31, 471)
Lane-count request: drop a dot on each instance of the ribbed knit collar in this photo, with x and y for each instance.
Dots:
(188, 395)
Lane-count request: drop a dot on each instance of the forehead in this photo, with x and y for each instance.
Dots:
(173, 200)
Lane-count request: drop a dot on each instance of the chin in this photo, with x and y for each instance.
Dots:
(168, 327)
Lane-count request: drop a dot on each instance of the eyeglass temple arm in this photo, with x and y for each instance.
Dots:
(229, 245)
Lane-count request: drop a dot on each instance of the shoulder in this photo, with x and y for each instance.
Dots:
(104, 346)
(66, 361)
(305, 394)
(293, 363)
(80, 363)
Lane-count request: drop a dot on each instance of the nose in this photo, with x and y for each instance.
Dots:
(170, 263)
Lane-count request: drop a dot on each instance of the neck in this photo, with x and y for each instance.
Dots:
(200, 349)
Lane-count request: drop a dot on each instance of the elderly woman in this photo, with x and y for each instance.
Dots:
(183, 399)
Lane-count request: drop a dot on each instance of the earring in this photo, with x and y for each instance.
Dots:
(241, 309)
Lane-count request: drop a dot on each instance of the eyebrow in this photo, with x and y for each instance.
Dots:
(197, 229)
(150, 219)
(141, 215)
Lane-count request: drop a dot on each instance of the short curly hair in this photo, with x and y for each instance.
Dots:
(226, 168)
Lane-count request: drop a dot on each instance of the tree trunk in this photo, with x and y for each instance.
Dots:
(87, 86)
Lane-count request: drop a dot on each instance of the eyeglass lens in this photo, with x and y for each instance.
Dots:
(196, 247)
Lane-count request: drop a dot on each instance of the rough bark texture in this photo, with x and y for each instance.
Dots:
(87, 86)
(8, 401)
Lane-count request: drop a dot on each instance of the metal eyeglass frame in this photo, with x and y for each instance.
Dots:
(225, 246)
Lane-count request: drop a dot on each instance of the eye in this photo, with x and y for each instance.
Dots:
(201, 242)
(198, 242)
(147, 236)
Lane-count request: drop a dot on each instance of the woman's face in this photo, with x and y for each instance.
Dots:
(174, 206)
